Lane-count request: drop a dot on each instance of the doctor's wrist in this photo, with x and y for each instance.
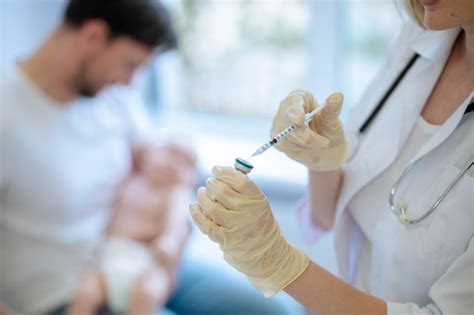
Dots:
(328, 172)
(284, 273)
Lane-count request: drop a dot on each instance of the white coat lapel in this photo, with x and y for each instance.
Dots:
(388, 133)
(389, 130)
(446, 130)
(393, 126)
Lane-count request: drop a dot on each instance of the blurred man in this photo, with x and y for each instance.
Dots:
(63, 158)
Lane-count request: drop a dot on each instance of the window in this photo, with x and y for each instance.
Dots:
(369, 28)
(23, 24)
(238, 59)
(241, 57)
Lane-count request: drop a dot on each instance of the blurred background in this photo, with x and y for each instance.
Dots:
(236, 60)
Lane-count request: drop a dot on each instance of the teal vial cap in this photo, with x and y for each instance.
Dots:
(243, 165)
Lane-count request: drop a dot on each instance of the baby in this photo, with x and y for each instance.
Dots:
(137, 263)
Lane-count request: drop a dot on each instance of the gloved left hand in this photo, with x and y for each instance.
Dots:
(233, 212)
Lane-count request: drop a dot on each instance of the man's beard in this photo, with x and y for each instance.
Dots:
(87, 92)
(83, 86)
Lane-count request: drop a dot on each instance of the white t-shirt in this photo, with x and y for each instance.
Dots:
(374, 195)
(60, 167)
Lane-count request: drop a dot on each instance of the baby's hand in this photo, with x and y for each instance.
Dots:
(150, 291)
(89, 295)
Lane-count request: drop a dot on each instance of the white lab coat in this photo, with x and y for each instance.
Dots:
(427, 268)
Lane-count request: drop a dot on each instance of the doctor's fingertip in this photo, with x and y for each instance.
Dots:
(336, 97)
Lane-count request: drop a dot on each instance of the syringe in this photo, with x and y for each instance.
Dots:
(307, 118)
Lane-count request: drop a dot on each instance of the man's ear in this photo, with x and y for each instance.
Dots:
(93, 35)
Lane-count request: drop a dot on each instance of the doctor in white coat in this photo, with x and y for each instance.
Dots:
(402, 205)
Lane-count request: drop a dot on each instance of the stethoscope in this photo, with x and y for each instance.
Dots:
(400, 209)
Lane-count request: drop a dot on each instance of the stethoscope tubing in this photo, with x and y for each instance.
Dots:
(400, 211)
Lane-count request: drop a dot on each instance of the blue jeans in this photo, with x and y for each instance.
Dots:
(209, 288)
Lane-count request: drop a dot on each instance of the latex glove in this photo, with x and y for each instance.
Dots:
(321, 145)
(233, 212)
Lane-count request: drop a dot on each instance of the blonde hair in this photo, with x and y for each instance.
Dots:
(416, 11)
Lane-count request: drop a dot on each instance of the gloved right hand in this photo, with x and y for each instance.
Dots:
(320, 145)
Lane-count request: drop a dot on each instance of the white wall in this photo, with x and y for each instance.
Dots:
(23, 24)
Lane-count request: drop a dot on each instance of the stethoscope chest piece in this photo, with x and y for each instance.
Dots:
(403, 217)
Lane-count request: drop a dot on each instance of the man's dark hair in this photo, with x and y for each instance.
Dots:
(146, 21)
